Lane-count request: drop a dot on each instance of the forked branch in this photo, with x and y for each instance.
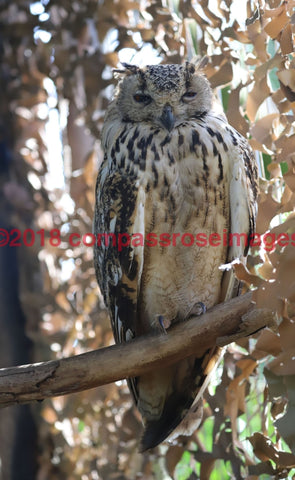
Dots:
(221, 325)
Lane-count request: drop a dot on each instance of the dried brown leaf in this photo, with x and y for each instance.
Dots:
(287, 77)
(235, 32)
(274, 169)
(223, 75)
(206, 468)
(287, 195)
(172, 458)
(269, 343)
(258, 146)
(287, 335)
(276, 25)
(286, 460)
(233, 113)
(267, 209)
(244, 275)
(258, 38)
(262, 129)
(266, 270)
(267, 295)
(235, 393)
(286, 40)
(288, 227)
(215, 20)
(278, 407)
(256, 97)
(289, 94)
(284, 364)
(264, 449)
(274, 11)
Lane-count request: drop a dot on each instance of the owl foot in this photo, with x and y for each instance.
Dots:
(202, 308)
(199, 308)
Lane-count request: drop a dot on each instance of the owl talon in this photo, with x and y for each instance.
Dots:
(200, 308)
(161, 323)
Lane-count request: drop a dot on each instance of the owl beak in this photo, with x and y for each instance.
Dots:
(167, 118)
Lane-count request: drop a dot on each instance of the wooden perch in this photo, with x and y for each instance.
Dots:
(221, 325)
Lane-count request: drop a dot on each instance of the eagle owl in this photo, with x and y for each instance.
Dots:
(174, 171)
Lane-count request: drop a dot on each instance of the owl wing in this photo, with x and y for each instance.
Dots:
(243, 191)
(119, 213)
(243, 195)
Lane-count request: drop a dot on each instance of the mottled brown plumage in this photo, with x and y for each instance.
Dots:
(172, 166)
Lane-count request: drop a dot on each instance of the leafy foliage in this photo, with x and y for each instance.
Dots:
(248, 425)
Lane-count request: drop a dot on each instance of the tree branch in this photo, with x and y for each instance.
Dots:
(221, 325)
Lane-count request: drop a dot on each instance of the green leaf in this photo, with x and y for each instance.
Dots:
(284, 167)
(81, 426)
(225, 97)
(266, 161)
(221, 471)
(183, 469)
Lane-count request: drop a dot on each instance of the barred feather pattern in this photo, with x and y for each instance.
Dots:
(172, 166)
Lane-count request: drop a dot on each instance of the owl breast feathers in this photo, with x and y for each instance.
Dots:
(173, 169)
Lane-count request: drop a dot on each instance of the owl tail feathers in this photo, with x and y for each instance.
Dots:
(187, 393)
(156, 431)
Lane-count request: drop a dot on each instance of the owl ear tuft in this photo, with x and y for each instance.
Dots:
(190, 68)
(202, 63)
(131, 68)
(198, 63)
(128, 69)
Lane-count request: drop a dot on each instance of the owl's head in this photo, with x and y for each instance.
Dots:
(163, 95)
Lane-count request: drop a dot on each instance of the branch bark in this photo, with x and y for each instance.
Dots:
(221, 325)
